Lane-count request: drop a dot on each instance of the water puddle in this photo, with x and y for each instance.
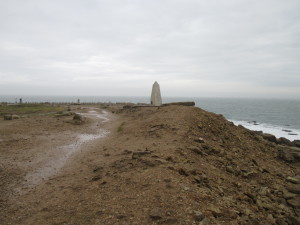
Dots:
(63, 154)
(102, 115)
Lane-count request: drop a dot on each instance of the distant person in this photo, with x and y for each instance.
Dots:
(21, 101)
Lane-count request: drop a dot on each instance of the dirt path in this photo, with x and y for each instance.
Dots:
(36, 151)
(61, 155)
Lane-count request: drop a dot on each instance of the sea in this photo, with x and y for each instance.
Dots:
(280, 117)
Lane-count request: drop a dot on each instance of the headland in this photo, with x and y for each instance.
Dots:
(131, 164)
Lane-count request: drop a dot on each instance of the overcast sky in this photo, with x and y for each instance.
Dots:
(196, 48)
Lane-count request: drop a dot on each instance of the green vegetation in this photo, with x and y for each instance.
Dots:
(121, 127)
(28, 108)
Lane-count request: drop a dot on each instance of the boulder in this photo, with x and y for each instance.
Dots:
(289, 154)
(283, 141)
(269, 137)
(296, 143)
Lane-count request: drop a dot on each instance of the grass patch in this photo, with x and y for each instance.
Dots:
(121, 127)
(28, 109)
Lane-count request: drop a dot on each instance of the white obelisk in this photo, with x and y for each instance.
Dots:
(155, 95)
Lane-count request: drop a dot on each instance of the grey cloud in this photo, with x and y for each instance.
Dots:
(126, 43)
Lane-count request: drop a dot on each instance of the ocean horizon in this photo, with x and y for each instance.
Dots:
(279, 117)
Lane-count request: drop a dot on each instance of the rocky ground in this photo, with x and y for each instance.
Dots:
(158, 165)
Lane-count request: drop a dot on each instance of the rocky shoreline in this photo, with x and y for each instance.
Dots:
(281, 140)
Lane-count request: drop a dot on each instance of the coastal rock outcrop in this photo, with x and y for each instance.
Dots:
(289, 154)
(296, 143)
(269, 137)
(279, 141)
(283, 141)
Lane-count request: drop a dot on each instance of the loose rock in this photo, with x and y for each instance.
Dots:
(15, 117)
(7, 117)
(295, 188)
(198, 216)
(155, 214)
(294, 180)
(294, 202)
(199, 140)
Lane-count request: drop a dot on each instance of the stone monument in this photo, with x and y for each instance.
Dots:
(155, 95)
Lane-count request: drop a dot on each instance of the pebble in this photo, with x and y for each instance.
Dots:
(186, 188)
(199, 140)
(155, 214)
(198, 215)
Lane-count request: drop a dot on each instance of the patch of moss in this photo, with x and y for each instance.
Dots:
(29, 108)
(121, 127)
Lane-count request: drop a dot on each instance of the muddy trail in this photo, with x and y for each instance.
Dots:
(36, 149)
(145, 165)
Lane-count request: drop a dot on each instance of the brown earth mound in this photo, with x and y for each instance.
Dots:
(168, 165)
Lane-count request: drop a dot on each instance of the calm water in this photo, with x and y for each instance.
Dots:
(272, 116)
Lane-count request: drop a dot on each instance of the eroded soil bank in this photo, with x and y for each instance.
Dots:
(155, 165)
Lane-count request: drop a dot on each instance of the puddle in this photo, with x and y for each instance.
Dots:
(63, 154)
(81, 139)
(103, 115)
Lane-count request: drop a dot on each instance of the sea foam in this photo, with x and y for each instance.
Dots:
(278, 131)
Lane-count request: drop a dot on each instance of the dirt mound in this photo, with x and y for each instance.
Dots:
(182, 161)
(172, 165)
